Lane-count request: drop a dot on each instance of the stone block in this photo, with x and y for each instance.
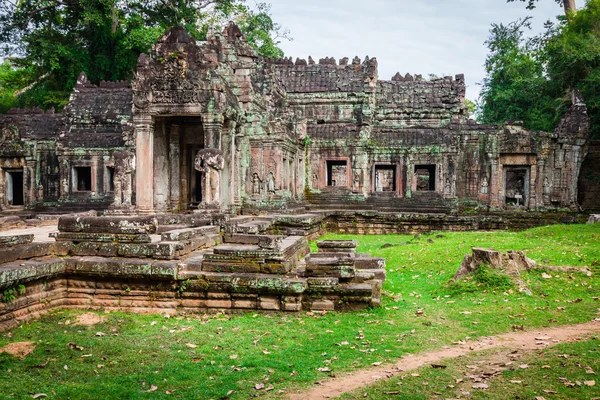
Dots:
(130, 225)
(271, 303)
(336, 271)
(26, 251)
(363, 262)
(14, 240)
(322, 305)
(337, 245)
(101, 237)
(292, 304)
(247, 301)
(328, 261)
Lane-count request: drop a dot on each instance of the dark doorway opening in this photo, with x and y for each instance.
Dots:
(83, 178)
(425, 175)
(196, 189)
(385, 178)
(110, 179)
(337, 173)
(516, 185)
(15, 188)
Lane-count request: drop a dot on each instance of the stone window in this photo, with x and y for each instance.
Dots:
(385, 178)
(110, 179)
(425, 176)
(14, 188)
(82, 179)
(337, 173)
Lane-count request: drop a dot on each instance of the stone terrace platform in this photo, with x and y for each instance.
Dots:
(182, 263)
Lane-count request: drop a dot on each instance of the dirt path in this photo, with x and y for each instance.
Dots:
(515, 340)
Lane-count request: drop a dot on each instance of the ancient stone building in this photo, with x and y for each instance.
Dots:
(210, 125)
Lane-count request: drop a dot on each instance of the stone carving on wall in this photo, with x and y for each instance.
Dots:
(210, 162)
(484, 185)
(271, 183)
(256, 184)
(124, 164)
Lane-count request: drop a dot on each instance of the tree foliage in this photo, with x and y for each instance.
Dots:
(530, 79)
(569, 5)
(49, 42)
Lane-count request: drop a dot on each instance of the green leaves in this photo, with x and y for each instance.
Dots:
(530, 79)
(104, 38)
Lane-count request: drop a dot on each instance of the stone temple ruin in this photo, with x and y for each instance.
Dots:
(214, 165)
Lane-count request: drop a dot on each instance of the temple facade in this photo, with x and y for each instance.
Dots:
(210, 125)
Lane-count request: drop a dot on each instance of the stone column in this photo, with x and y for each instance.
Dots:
(144, 177)
(409, 179)
(233, 165)
(174, 167)
(532, 187)
(539, 187)
(494, 190)
(213, 127)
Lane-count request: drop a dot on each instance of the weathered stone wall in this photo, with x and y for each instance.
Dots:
(211, 125)
(27, 143)
(589, 179)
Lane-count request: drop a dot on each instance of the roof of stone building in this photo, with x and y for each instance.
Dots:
(97, 115)
(326, 76)
(33, 124)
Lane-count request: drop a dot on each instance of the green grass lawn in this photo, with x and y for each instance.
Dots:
(214, 356)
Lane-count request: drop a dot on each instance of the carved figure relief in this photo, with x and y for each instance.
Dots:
(256, 184)
(124, 162)
(547, 186)
(484, 185)
(271, 183)
(210, 162)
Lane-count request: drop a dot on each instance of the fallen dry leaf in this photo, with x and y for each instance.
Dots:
(74, 346)
(191, 345)
(152, 389)
(482, 386)
(259, 386)
(324, 369)
(100, 334)
(589, 383)
(39, 395)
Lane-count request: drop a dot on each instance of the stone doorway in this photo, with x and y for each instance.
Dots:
(337, 173)
(14, 188)
(177, 184)
(385, 178)
(516, 186)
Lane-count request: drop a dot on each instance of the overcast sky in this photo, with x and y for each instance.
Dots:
(442, 37)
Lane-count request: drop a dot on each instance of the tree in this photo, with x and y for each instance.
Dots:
(531, 79)
(54, 40)
(569, 5)
(516, 88)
